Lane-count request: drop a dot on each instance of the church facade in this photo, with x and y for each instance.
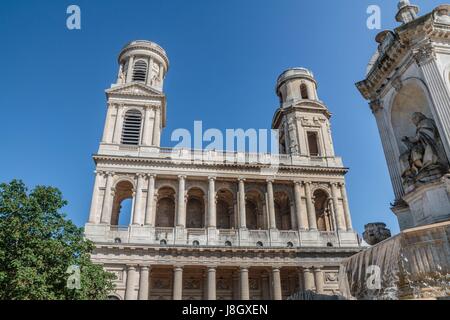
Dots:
(208, 224)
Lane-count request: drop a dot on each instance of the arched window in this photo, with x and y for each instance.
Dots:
(195, 209)
(323, 211)
(122, 205)
(131, 131)
(313, 144)
(304, 91)
(140, 71)
(165, 208)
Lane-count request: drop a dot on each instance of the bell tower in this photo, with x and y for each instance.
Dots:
(407, 84)
(136, 112)
(302, 119)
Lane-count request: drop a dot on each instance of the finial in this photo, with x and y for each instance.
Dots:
(406, 12)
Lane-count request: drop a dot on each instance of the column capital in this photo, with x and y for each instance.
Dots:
(317, 268)
(145, 268)
(151, 175)
(212, 178)
(181, 177)
(376, 106)
(243, 268)
(276, 268)
(132, 267)
(424, 54)
(270, 180)
(211, 267)
(298, 182)
(178, 267)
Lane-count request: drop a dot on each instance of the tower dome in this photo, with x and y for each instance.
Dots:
(143, 61)
(296, 84)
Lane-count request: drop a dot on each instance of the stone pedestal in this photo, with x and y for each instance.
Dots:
(425, 205)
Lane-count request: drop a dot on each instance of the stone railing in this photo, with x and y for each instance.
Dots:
(215, 237)
(214, 156)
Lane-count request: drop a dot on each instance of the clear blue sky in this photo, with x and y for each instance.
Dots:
(225, 58)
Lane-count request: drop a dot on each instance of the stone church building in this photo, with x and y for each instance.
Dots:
(215, 224)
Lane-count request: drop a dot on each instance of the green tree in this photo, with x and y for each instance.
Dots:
(38, 245)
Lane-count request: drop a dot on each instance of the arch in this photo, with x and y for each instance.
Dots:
(140, 68)
(282, 211)
(254, 210)
(226, 218)
(304, 91)
(412, 97)
(195, 209)
(123, 191)
(114, 297)
(131, 131)
(165, 208)
(323, 210)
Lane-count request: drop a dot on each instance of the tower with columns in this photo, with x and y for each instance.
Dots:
(209, 230)
(407, 84)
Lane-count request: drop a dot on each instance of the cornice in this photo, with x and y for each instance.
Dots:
(169, 164)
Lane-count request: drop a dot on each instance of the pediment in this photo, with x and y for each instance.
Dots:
(134, 89)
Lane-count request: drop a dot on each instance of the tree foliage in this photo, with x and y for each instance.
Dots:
(38, 245)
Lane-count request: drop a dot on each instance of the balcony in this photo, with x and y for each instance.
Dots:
(190, 156)
(146, 235)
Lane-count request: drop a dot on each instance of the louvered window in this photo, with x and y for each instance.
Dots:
(140, 71)
(132, 127)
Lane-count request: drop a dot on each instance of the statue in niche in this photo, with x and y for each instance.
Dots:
(424, 159)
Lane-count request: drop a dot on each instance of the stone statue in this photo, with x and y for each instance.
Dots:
(424, 157)
(122, 75)
(375, 233)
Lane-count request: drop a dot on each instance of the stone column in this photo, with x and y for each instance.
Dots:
(157, 128)
(270, 198)
(178, 283)
(144, 280)
(242, 216)
(130, 69)
(181, 213)
(147, 131)
(348, 218)
(308, 279)
(388, 147)
(211, 283)
(108, 199)
(277, 295)
(93, 216)
(301, 223)
(318, 277)
(212, 219)
(149, 211)
(107, 132)
(245, 292)
(310, 207)
(138, 210)
(439, 91)
(131, 283)
(118, 126)
(337, 211)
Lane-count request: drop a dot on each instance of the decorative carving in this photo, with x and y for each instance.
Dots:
(223, 284)
(424, 159)
(376, 106)
(375, 233)
(424, 54)
(192, 284)
(331, 277)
